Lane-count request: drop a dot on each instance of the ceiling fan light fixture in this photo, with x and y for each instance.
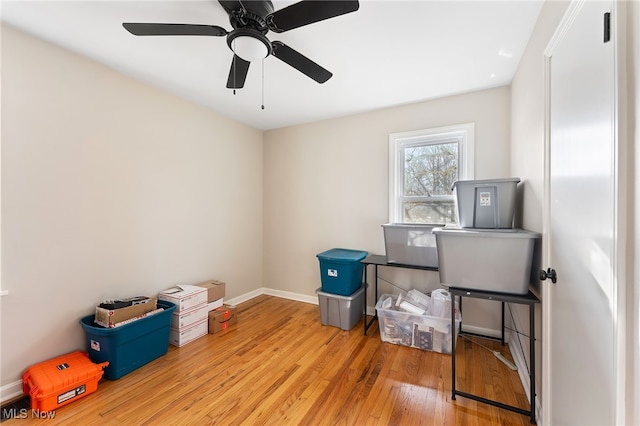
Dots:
(251, 21)
(251, 46)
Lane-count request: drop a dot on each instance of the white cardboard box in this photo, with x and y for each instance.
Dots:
(183, 319)
(185, 296)
(188, 334)
(215, 304)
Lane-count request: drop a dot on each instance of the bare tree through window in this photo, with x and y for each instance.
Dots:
(430, 171)
(424, 166)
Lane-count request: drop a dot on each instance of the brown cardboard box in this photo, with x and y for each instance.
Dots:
(110, 317)
(222, 318)
(215, 289)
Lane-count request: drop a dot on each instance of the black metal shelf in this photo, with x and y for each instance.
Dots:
(379, 260)
(528, 299)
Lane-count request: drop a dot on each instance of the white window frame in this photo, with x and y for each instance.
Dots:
(463, 134)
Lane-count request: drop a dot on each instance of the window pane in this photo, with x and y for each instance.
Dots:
(430, 170)
(440, 211)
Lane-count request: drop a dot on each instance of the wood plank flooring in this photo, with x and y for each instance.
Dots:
(279, 366)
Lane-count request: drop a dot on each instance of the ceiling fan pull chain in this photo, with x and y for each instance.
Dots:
(262, 83)
(234, 67)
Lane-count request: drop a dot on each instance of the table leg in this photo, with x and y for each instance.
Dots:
(367, 323)
(453, 347)
(502, 330)
(376, 286)
(532, 357)
(364, 309)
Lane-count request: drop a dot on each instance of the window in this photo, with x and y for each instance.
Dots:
(423, 165)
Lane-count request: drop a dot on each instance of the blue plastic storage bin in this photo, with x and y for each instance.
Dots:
(130, 346)
(341, 270)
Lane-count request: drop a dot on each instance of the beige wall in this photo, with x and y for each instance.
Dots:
(527, 151)
(111, 188)
(633, 254)
(326, 185)
(527, 116)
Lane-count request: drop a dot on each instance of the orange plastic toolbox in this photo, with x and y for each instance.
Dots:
(59, 381)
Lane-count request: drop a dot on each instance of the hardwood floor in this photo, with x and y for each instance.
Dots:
(279, 366)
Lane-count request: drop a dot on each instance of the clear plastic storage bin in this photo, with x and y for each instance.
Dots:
(414, 330)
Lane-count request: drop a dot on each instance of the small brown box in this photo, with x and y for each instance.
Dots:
(111, 317)
(215, 289)
(222, 318)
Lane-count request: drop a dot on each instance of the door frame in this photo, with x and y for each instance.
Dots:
(621, 185)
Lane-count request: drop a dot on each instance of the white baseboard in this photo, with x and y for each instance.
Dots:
(244, 297)
(272, 292)
(292, 296)
(481, 331)
(10, 391)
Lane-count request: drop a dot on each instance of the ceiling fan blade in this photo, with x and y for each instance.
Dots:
(231, 6)
(300, 62)
(237, 73)
(307, 12)
(150, 29)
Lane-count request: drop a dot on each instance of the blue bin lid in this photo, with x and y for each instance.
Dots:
(344, 255)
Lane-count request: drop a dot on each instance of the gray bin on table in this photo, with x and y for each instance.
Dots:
(491, 260)
(411, 244)
(486, 203)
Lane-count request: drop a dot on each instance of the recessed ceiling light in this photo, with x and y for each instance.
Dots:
(505, 53)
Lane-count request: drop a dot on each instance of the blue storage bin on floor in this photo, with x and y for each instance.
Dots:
(341, 270)
(130, 346)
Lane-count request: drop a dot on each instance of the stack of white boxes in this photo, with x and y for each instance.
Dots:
(190, 318)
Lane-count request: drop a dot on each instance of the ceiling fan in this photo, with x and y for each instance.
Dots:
(251, 20)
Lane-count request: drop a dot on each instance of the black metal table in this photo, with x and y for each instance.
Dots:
(379, 260)
(528, 299)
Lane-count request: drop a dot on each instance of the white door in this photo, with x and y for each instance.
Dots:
(579, 384)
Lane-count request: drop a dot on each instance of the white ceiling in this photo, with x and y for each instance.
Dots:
(387, 53)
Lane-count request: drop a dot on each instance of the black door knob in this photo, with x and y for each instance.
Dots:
(549, 273)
